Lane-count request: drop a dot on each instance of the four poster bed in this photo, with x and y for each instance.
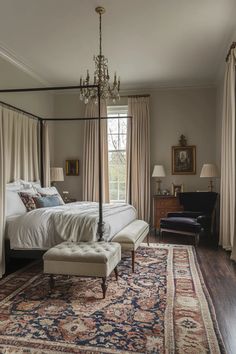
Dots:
(33, 232)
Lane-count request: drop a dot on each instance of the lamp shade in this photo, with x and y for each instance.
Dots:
(56, 174)
(158, 171)
(209, 170)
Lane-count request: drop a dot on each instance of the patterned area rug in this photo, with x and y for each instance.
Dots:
(164, 307)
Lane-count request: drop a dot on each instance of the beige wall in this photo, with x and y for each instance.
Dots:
(68, 142)
(191, 112)
(39, 103)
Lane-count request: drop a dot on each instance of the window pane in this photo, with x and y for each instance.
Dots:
(123, 125)
(117, 137)
(113, 142)
(122, 142)
(113, 173)
(117, 157)
(112, 126)
(122, 191)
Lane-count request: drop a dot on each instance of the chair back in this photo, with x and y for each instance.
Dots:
(198, 201)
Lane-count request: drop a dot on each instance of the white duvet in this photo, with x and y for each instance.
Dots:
(46, 227)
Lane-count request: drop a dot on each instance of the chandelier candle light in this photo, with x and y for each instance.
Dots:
(101, 74)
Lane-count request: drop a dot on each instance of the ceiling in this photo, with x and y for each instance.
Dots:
(150, 43)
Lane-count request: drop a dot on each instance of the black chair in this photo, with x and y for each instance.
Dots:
(196, 218)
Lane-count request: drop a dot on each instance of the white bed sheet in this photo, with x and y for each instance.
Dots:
(45, 227)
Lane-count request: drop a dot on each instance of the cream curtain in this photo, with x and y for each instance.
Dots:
(138, 156)
(21, 137)
(90, 154)
(2, 192)
(46, 156)
(227, 208)
(18, 158)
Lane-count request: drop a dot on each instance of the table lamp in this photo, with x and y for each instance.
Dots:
(56, 175)
(158, 172)
(209, 170)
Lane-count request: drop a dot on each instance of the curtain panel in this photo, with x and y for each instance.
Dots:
(138, 156)
(90, 154)
(19, 158)
(227, 208)
(46, 156)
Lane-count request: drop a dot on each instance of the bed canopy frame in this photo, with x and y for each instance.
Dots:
(41, 120)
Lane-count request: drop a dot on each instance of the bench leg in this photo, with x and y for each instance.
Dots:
(104, 286)
(196, 240)
(161, 235)
(51, 282)
(116, 273)
(133, 260)
(148, 239)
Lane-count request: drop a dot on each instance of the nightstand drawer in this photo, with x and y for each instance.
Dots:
(161, 213)
(168, 203)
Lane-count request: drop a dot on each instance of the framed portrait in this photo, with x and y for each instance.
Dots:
(72, 167)
(184, 160)
(176, 188)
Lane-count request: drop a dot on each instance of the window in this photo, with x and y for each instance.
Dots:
(117, 137)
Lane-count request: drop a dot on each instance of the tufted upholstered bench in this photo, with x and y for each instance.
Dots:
(89, 259)
(131, 236)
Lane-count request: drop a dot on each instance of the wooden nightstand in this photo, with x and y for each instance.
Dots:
(162, 205)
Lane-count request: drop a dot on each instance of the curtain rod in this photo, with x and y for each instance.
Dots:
(233, 45)
(86, 118)
(20, 110)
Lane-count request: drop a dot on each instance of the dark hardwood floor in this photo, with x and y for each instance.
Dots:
(219, 273)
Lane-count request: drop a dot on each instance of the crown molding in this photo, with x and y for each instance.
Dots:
(11, 57)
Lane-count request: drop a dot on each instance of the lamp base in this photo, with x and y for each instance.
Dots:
(158, 186)
(210, 186)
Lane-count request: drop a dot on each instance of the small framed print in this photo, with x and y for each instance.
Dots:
(72, 167)
(176, 189)
(184, 160)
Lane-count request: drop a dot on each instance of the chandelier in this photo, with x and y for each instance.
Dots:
(101, 74)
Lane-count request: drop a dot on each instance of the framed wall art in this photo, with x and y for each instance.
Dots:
(72, 167)
(184, 160)
(176, 188)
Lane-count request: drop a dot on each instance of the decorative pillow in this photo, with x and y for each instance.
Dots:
(47, 201)
(14, 204)
(50, 191)
(28, 200)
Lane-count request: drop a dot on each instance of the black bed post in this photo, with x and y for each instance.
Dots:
(100, 230)
(41, 151)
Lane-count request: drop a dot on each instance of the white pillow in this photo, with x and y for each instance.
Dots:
(30, 184)
(30, 191)
(50, 191)
(14, 204)
(14, 186)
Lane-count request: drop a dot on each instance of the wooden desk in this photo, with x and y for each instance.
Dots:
(162, 205)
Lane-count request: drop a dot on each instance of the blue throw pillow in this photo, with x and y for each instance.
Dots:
(48, 201)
